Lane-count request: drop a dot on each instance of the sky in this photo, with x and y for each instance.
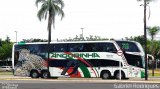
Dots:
(105, 18)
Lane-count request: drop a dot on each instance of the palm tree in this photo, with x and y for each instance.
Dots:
(50, 8)
(146, 0)
(152, 32)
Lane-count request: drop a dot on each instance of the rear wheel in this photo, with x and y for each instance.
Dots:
(106, 75)
(45, 74)
(117, 75)
(34, 74)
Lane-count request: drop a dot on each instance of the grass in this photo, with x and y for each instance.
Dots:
(156, 72)
(5, 73)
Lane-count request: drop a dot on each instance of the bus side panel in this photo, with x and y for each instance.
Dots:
(135, 72)
(26, 61)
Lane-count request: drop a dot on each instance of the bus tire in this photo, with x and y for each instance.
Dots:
(45, 74)
(34, 74)
(117, 74)
(105, 75)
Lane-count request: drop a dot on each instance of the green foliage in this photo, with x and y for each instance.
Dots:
(50, 8)
(146, 0)
(90, 38)
(150, 50)
(6, 50)
(34, 40)
(152, 31)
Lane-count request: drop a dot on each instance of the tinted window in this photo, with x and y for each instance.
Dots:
(33, 48)
(92, 62)
(103, 62)
(76, 47)
(60, 47)
(36, 49)
(134, 60)
(128, 46)
(62, 63)
(91, 47)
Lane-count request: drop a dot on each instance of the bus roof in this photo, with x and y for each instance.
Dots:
(110, 41)
(23, 43)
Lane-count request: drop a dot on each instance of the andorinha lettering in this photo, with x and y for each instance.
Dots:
(74, 55)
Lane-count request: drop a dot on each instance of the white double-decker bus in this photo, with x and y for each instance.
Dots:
(104, 59)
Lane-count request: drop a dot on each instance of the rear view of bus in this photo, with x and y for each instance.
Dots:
(134, 55)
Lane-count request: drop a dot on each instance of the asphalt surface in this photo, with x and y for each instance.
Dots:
(85, 80)
(36, 84)
(17, 82)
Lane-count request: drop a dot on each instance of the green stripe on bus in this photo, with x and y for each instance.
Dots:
(85, 71)
(83, 67)
(142, 74)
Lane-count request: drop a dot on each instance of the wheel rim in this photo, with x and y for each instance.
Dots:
(45, 75)
(105, 75)
(118, 75)
(34, 74)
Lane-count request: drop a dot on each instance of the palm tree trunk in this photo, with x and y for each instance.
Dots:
(49, 36)
(152, 55)
(49, 26)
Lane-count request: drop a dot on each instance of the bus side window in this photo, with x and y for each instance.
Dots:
(80, 47)
(60, 48)
(110, 48)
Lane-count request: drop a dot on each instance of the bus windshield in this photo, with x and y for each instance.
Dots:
(133, 53)
(128, 46)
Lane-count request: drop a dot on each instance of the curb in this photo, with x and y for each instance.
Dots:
(82, 80)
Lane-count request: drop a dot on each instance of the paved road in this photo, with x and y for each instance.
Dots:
(16, 82)
(80, 84)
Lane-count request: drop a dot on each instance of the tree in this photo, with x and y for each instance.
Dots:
(152, 32)
(50, 8)
(0, 43)
(34, 40)
(146, 0)
(6, 50)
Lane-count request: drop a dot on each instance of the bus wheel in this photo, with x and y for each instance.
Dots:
(117, 75)
(34, 74)
(106, 75)
(45, 74)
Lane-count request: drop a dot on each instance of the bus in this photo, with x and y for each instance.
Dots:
(103, 59)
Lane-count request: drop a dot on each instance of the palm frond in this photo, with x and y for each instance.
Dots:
(58, 11)
(153, 30)
(39, 1)
(59, 2)
(42, 12)
(50, 8)
(146, 0)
